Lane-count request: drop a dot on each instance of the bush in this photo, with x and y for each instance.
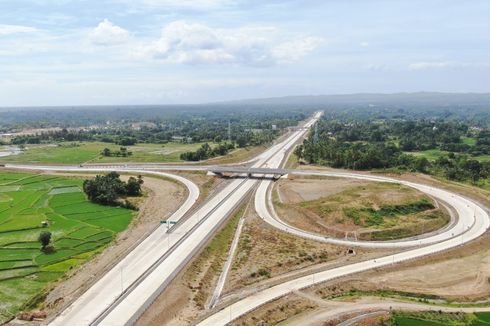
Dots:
(49, 249)
(44, 238)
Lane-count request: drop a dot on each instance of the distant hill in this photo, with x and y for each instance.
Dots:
(458, 106)
(428, 99)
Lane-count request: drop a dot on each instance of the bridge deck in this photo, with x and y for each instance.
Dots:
(248, 171)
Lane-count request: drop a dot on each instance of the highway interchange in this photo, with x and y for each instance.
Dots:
(130, 287)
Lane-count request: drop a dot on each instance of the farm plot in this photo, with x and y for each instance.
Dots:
(30, 204)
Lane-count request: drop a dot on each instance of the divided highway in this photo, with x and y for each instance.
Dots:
(125, 292)
(197, 231)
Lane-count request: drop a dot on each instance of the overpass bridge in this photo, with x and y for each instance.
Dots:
(249, 172)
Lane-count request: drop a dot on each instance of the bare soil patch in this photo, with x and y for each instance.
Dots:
(266, 255)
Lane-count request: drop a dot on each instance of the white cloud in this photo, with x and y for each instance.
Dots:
(16, 29)
(196, 4)
(364, 44)
(426, 65)
(429, 65)
(294, 50)
(106, 33)
(182, 42)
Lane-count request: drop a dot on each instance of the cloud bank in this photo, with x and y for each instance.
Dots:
(193, 43)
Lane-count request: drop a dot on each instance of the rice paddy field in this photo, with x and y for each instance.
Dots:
(82, 152)
(441, 319)
(79, 230)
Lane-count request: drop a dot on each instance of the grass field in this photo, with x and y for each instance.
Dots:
(433, 154)
(434, 318)
(81, 152)
(469, 141)
(79, 230)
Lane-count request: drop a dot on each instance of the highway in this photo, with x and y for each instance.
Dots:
(197, 231)
(472, 216)
(127, 290)
(124, 293)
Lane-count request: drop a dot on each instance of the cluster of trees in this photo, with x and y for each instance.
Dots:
(205, 152)
(253, 127)
(372, 144)
(461, 168)
(358, 156)
(412, 135)
(122, 152)
(108, 189)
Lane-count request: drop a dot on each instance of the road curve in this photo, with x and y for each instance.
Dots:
(127, 290)
(470, 212)
(465, 209)
(368, 306)
(119, 278)
(192, 235)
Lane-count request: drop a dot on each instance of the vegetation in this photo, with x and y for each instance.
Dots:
(45, 240)
(249, 128)
(205, 270)
(438, 318)
(387, 144)
(370, 210)
(77, 153)
(122, 152)
(52, 211)
(109, 189)
(206, 152)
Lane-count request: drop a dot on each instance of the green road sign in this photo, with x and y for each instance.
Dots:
(168, 222)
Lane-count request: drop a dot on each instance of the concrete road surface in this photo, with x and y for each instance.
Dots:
(474, 221)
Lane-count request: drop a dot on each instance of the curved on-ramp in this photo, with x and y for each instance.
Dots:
(465, 209)
(473, 222)
(109, 287)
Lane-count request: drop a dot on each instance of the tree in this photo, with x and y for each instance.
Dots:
(45, 239)
(106, 152)
(133, 186)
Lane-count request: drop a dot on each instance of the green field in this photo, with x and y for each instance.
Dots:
(81, 152)
(79, 230)
(433, 154)
(440, 319)
(469, 141)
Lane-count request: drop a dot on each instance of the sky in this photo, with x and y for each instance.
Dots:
(103, 52)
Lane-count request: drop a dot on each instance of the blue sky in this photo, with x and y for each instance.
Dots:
(62, 52)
